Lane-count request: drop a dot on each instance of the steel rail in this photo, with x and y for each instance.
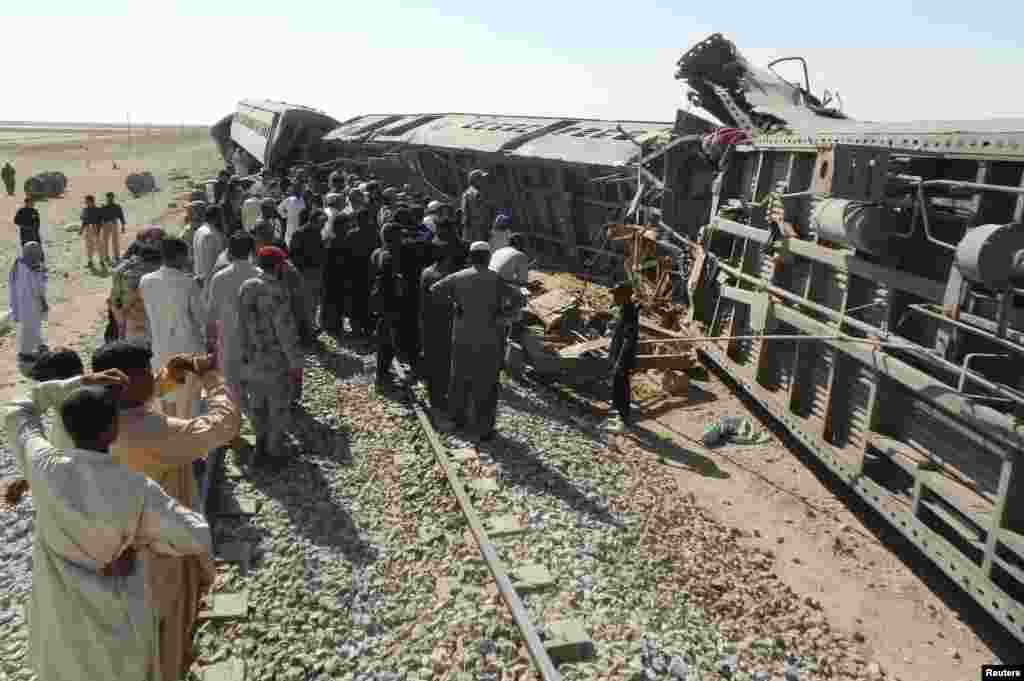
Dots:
(534, 646)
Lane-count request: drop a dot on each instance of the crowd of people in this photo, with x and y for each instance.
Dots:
(214, 323)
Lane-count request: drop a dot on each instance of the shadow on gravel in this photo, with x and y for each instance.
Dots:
(510, 398)
(522, 467)
(665, 448)
(338, 365)
(999, 641)
(306, 495)
(319, 439)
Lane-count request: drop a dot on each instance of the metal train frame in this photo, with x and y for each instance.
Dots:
(888, 259)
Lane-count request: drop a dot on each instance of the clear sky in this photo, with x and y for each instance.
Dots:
(190, 61)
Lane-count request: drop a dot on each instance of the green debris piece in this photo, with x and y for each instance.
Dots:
(531, 578)
(227, 606)
(567, 641)
(484, 485)
(504, 526)
(232, 669)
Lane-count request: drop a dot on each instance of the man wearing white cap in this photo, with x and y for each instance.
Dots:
(251, 211)
(477, 295)
(437, 213)
(476, 224)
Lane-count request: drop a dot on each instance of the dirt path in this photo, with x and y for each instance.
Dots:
(95, 163)
(825, 550)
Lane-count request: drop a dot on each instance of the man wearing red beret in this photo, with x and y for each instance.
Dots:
(271, 352)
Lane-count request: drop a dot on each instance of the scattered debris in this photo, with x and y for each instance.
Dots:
(735, 429)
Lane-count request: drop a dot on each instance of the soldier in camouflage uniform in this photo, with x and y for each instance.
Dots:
(271, 355)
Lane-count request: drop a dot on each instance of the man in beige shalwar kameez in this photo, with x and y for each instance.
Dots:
(163, 448)
(89, 615)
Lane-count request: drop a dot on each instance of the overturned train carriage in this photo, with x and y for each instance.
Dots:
(866, 280)
(559, 179)
(889, 261)
(264, 133)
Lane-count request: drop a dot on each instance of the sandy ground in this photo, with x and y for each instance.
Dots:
(873, 586)
(88, 159)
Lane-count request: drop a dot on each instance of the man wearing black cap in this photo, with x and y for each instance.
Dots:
(386, 293)
(623, 352)
(362, 240)
(113, 218)
(27, 221)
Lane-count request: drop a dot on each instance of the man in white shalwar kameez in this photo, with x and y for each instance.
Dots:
(290, 209)
(27, 291)
(89, 619)
(176, 318)
(207, 244)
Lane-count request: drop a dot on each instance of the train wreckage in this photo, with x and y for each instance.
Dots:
(862, 281)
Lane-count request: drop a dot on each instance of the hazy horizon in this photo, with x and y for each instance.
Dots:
(567, 59)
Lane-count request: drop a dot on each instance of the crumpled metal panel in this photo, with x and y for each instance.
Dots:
(359, 128)
(724, 80)
(594, 142)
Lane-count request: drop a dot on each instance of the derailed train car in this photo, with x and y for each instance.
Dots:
(267, 134)
(866, 279)
(559, 179)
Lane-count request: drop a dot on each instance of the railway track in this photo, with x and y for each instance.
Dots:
(387, 550)
(581, 645)
(560, 641)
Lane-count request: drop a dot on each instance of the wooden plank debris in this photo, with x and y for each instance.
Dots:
(578, 349)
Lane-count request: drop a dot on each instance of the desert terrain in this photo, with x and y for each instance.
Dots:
(95, 161)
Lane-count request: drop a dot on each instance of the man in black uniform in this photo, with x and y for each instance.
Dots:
(386, 293)
(623, 353)
(113, 218)
(27, 220)
(7, 174)
(92, 221)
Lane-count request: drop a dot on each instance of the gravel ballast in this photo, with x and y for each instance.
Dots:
(364, 567)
